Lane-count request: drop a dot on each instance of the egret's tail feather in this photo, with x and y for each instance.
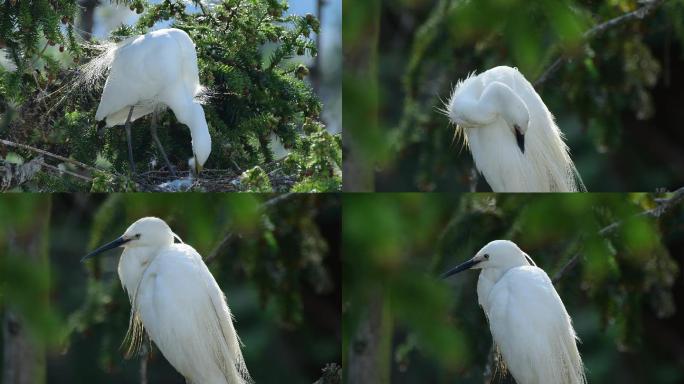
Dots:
(93, 72)
(577, 179)
(135, 336)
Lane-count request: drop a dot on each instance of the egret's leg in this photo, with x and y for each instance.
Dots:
(153, 129)
(101, 126)
(128, 137)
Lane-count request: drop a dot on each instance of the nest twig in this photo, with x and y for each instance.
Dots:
(210, 180)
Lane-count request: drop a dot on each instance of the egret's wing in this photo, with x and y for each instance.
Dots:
(225, 320)
(533, 330)
(119, 91)
(188, 57)
(139, 110)
(176, 301)
(546, 139)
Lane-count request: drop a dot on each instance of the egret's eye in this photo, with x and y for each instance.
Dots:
(137, 236)
(486, 256)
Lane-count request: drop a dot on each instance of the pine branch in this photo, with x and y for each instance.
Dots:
(638, 14)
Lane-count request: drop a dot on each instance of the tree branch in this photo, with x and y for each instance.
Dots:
(637, 14)
(331, 374)
(49, 154)
(230, 235)
(143, 369)
(568, 266)
(662, 206)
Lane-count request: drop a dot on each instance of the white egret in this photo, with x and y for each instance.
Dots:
(6, 61)
(527, 318)
(148, 73)
(512, 136)
(177, 301)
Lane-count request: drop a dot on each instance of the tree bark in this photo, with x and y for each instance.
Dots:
(317, 70)
(88, 17)
(371, 349)
(23, 358)
(360, 83)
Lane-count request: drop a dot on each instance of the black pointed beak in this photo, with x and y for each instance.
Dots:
(111, 245)
(459, 268)
(519, 138)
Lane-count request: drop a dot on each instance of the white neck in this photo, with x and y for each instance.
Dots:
(199, 131)
(132, 266)
(485, 282)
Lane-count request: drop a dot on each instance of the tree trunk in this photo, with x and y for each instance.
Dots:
(88, 17)
(370, 355)
(360, 89)
(23, 358)
(317, 70)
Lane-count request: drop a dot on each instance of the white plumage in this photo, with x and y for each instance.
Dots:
(148, 72)
(6, 61)
(527, 318)
(176, 300)
(512, 136)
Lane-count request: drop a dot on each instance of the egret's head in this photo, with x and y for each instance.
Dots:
(517, 116)
(501, 254)
(201, 140)
(460, 99)
(146, 232)
(195, 166)
(201, 148)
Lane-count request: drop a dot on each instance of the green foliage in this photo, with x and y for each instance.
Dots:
(255, 180)
(246, 55)
(316, 159)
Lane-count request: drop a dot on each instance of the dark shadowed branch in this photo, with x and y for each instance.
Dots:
(49, 154)
(229, 236)
(143, 369)
(662, 205)
(331, 374)
(637, 14)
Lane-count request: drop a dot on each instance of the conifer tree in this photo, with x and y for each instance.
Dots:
(255, 91)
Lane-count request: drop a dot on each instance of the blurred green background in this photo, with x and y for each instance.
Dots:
(617, 98)
(625, 293)
(279, 268)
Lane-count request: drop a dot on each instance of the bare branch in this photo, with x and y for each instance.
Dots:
(568, 266)
(331, 374)
(49, 154)
(143, 369)
(638, 14)
(472, 179)
(66, 172)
